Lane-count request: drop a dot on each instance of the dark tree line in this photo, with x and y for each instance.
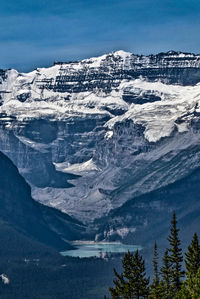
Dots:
(170, 281)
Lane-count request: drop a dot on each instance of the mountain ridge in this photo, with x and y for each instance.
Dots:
(146, 218)
(28, 217)
(102, 130)
(118, 52)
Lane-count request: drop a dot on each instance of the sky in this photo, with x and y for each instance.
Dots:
(35, 33)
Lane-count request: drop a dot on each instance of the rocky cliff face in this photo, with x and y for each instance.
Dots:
(90, 135)
(30, 218)
(146, 218)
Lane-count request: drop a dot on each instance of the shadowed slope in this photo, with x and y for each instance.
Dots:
(23, 214)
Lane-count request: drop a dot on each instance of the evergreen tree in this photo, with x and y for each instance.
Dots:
(155, 266)
(192, 261)
(175, 256)
(193, 285)
(132, 283)
(183, 293)
(155, 287)
(166, 278)
(190, 288)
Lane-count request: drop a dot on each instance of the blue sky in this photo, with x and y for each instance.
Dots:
(35, 33)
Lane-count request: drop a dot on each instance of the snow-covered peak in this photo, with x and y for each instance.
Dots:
(107, 85)
(109, 125)
(122, 54)
(179, 54)
(97, 61)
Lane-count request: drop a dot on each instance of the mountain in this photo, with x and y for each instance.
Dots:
(146, 218)
(91, 135)
(31, 236)
(27, 219)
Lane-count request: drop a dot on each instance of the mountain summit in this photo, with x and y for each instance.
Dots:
(90, 135)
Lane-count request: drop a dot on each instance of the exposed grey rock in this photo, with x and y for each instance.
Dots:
(90, 135)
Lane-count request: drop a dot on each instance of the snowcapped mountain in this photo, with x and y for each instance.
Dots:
(91, 135)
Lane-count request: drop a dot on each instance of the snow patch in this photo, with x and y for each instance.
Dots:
(108, 135)
(159, 118)
(76, 168)
(5, 279)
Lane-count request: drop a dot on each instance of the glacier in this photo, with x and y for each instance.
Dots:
(90, 135)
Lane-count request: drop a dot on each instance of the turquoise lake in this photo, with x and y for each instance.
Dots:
(83, 250)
